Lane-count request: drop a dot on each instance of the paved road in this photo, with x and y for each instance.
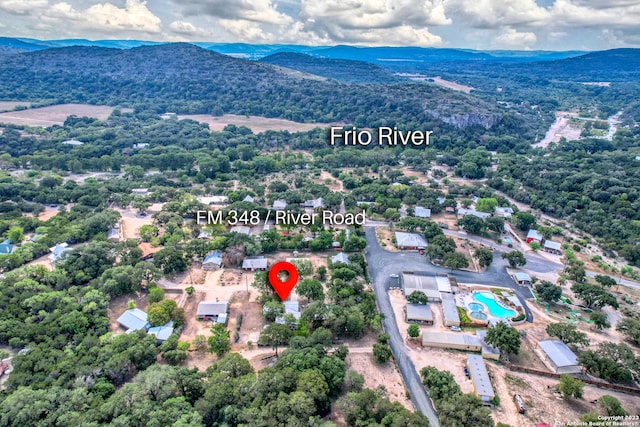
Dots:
(380, 266)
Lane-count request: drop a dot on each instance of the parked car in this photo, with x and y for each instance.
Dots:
(456, 328)
(519, 403)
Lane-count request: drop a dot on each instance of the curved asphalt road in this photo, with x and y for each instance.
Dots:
(381, 264)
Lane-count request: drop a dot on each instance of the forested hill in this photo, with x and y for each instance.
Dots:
(338, 69)
(188, 79)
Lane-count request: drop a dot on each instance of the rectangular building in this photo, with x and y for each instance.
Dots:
(450, 310)
(411, 241)
(419, 313)
(451, 340)
(558, 357)
(480, 377)
(212, 310)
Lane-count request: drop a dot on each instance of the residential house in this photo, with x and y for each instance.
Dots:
(213, 311)
(419, 313)
(341, 257)
(242, 229)
(522, 279)
(7, 248)
(58, 252)
(279, 205)
(162, 333)
(147, 250)
(480, 377)
(134, 320)
(314, 204)
(552, 247)
(410, 241)
(534, 236)
(213, 261)
(258, 263)
(482, 215)
(422, 212)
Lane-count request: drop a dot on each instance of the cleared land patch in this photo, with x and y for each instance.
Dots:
(255, 123)
(10, 105)
(56, 114)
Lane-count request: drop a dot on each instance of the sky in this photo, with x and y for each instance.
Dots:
(474, 24)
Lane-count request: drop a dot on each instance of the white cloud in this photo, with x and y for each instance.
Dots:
(261, 11)
(22, 7)
(188, 29)
(497, 13)
(245, 30)
(576, 13)
(512, 39)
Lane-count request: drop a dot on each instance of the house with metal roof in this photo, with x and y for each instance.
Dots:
(419, 313)
(534, 236)
(450, 310)
(422, 212)
(341, 257)
(418, 282)
(134, 320)
(558, 357)
(162, 333)
(480, 377)
(410, 240)
(72, 142)
(504, 211)
(7, 248)
(254, 263)
(552, 247)
(212, 261)
(451, 340)
(248, 198)
(482, 215)
(292, 308)
(58, 252)
(279, 205)
(213, 310)
(522, 278)
(213, 200)
(314, 204)
(242, 229)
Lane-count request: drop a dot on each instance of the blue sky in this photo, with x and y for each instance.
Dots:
(477, 24)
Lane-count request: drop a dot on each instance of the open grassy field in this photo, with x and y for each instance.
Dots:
(10, 105)
(255, 123)
(55, 114)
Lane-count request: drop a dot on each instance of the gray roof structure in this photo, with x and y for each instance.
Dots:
(292, 308)
(72, 142)
(449, 308)
(533, 234)
(341, 257)
(162, 333)
(486, 348)
(453, 339)
(242, 229)
(422, 212)
(134, 320)
(248, 198)
(410, 240)
(420, 312)
(559, 353)
(480, 376)
(315, 203)
(212, 308)
(58, 251)
(522, 277)
(514, 300)
(214, 257)
(548, 244)
(279, 204)
(254, 263)
(473, 212)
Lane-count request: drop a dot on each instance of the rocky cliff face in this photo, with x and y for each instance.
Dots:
(486, 120)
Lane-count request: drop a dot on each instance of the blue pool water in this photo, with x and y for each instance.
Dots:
(474, 306)
(495, 309)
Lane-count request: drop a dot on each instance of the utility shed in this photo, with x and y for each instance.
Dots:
(450, 310)
(480, 377)
(455, 341)
(410, 240)
(212, 261)
(419, 313)
(552, 247)
(558, 357)
(341, 257)
(522, 278)
(422, 212)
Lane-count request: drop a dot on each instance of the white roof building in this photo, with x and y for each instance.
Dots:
(422, 212)
(410, 240)
(558, 357)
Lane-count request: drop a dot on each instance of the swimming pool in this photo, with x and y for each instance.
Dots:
(474, 306)
(495, 309)
(478, 315)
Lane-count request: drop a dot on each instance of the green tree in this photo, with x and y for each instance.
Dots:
(570, 387)
(630, 328)
(515, 258)
(567, 333)
(525, 220)
(439, 246)
(156, 294)
(487, 204)
(220, 341)
(382, 353)
(353, 382)
(466, 410)
(576, 273)
(472, 224)
(414, 331)
(611, 362)
(455, 261)
(441, 384)
(485, 256)
(310, 289)
(272, 310)
(163, 311)
(594, 295)
(548, 292)
(170, 260)
(611, 406)
(495, 223)
(504, 337)
(15, 234)
(275, 335)
(606, 281)
(417, 297)
(600, 320)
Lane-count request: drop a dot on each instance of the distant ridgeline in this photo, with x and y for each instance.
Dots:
(187, 79)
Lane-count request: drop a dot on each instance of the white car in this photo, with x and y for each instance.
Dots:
(456, 328)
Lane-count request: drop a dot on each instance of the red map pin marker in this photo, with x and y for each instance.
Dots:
(283, 289)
